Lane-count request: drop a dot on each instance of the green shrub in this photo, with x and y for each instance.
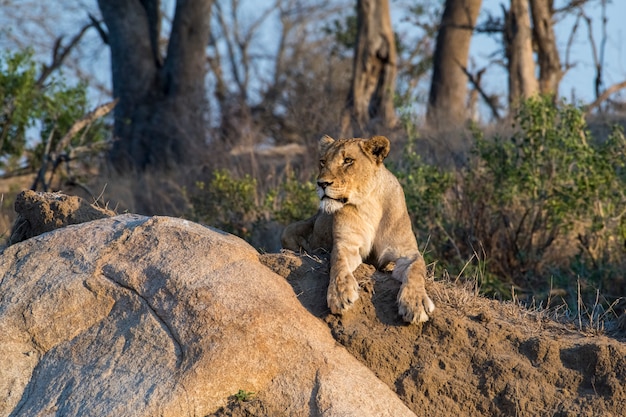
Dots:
(547, 198)
(35, 114)
(21, 104)
(226, 203)
(236, 205)
(243, 395)
(424, 188)
(292, 200)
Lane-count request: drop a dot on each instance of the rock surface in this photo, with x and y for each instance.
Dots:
(139, 316)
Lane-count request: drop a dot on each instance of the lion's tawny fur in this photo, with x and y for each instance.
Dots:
(362, 217)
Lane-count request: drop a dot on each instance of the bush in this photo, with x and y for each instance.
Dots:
(237, 205)
(425, 187)
(291, 201)
(226, 203)
(547, 201)
(36, 114)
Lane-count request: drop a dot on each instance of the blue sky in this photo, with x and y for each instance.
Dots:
(579, 80)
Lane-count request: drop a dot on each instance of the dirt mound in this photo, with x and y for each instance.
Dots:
(40, 212)
(476, 356)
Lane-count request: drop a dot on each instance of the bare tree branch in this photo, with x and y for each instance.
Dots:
(573, 4)
(570, 41)
(60, 52)
(490, 100)
(228, 36)
(598, 56)
(89, 118)
(594, 54)
(101, 31)
(604, 96)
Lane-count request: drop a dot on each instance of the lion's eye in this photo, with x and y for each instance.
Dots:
(322, 163)
(348, 161)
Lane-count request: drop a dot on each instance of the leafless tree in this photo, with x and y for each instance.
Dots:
(521, 64)
(550, 72)
(602, 93)
(447, 104)
(73, 46)
(160, 116)
(374, 70)
(283, 91)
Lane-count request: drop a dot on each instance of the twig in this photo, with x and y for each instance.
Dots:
(489, 100)
(573, 4)
(99, 112)
(450, 239)
(60, 53)
(570, 42)
(605, 95)
(98, 25)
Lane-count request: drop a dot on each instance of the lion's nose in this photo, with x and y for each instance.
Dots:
(324, 184)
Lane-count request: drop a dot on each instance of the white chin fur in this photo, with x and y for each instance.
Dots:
(330, 206)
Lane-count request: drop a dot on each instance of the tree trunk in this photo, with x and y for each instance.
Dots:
(447, 102)
(159, 119)
(550, 73)
(374, 71)
(519, 51)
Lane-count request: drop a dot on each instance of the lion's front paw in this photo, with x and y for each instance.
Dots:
(343, 294)
(414, 305)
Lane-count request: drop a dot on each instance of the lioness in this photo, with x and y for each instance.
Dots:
(362, 216)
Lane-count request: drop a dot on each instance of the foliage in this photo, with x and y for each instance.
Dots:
(225, 202)
(21, 103)
(236, 205)
(551, 165)
(293, 200)
(243, 395)
(546, 200)
(424, 185)
(36, 113)
(542, 206)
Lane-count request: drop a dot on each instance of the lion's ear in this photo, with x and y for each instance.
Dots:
(378, 146)
(325, 143)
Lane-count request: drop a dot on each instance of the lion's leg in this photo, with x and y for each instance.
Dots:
(414, 304)
(343, 289)
(296, 236)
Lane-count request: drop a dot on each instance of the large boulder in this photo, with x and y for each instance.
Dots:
(139, 316)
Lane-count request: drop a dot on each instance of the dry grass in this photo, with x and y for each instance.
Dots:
(463, 293)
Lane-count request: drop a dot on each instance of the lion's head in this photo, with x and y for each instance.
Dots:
(347, 168)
